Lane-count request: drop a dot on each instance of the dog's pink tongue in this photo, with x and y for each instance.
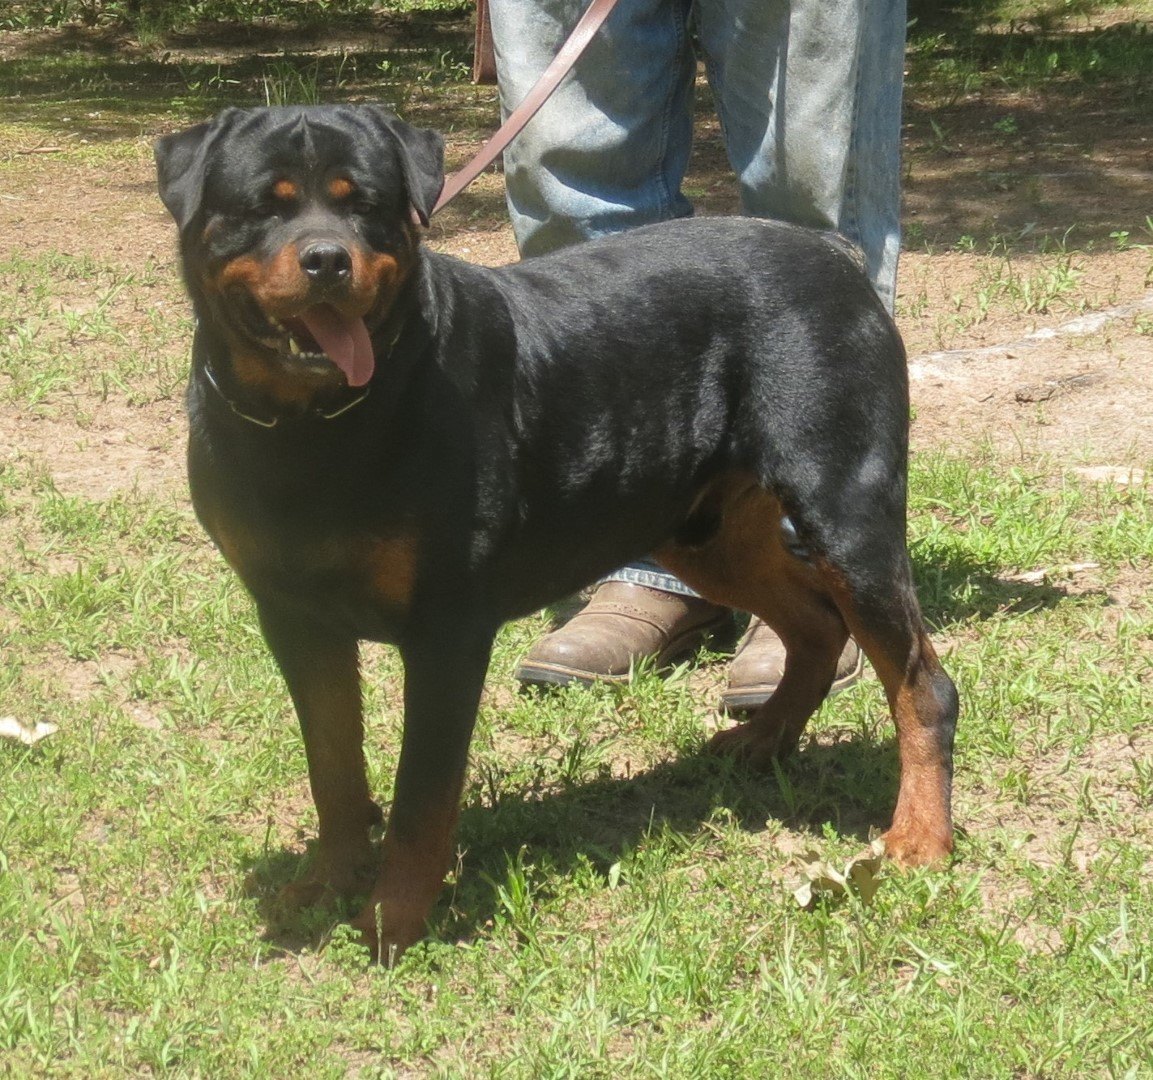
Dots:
(345, 341)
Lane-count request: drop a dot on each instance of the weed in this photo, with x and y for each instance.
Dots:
(286, 83)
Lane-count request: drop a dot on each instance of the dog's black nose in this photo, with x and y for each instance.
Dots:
(326, 262)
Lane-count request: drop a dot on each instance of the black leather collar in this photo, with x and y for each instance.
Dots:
(271, 421)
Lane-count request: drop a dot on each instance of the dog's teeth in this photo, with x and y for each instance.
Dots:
(293, 347)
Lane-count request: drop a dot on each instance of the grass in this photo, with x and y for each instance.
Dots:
(156, 17)
(622, 904)
(52, 304)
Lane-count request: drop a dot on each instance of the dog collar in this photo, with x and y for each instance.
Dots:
(271, 422)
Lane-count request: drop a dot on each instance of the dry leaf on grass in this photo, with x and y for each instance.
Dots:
(11, 728)
(824, 881)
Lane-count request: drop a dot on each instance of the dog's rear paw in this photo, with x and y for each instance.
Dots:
(919, 845)
(755, 744)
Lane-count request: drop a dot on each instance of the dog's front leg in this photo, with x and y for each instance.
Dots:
(323, 676)
(444, 663)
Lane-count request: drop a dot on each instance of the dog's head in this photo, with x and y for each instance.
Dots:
(297, 232)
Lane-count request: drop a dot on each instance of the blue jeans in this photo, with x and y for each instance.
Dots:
(808, 94)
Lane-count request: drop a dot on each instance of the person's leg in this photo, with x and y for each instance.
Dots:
(606, 153)
(608, 150)
(809, 96)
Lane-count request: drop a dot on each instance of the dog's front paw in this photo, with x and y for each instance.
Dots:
(386, 931)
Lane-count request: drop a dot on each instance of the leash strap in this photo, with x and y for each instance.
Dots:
(562, 63)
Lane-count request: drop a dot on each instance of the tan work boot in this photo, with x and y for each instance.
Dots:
(621, 625)
(759, 663)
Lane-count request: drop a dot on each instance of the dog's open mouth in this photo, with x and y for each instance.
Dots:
(322, 334)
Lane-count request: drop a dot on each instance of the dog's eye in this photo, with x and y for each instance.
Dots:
(267, 208)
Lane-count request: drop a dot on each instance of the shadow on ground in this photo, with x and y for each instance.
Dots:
(850, 786)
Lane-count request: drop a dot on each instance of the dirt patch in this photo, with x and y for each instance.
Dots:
(1073, 388)
(1079, 392)
(119, 448)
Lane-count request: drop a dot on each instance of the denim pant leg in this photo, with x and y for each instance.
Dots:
(809, 98)
(608, 150)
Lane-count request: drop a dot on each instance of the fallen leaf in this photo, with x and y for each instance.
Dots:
(860, 877)
(11, 728)
(863, 873)
(1035, 577)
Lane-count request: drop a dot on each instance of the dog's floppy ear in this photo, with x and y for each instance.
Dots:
(421, 158)
(180, 160)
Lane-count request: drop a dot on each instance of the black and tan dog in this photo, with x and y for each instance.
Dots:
(394, 445)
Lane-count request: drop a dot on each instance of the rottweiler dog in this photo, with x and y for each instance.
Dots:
(394, 445)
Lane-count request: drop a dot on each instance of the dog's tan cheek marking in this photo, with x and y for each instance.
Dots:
(278, 284)
(376, 277)
(245, 271)
(260, 373)
(250, 369)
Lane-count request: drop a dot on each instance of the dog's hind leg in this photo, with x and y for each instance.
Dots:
(734, 550)
(813, 635)
(886, 622)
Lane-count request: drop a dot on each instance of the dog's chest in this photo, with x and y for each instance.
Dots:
(365, 575)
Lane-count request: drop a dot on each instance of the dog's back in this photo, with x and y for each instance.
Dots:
(632, 371)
